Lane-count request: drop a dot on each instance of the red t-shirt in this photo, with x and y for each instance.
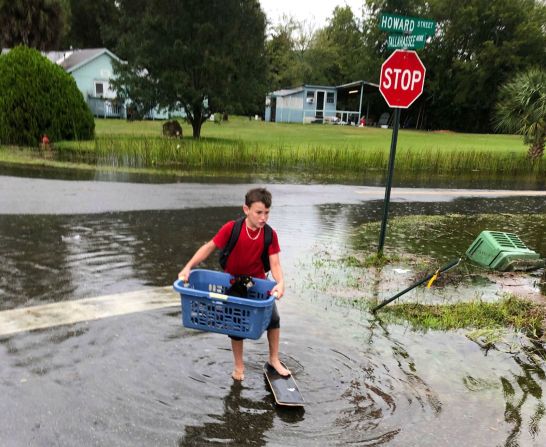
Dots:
(246, 256)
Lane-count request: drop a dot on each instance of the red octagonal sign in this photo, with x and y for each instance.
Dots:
(402, 78)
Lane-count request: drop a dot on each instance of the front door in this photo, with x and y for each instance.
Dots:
(273, 110)
(319, 111)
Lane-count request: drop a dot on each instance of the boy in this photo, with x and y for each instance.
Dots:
(246, 259)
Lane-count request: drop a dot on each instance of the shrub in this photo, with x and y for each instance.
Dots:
(38, 97)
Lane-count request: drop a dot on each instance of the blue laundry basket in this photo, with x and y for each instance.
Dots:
(206, 307)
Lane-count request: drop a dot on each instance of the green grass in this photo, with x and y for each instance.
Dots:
(377, 260)
(512, 312)
(243, 145)
(326, 136)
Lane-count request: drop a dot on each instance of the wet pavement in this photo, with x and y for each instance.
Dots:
(143, 379)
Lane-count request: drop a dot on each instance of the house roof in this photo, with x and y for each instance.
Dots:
(358, 84)
(71, 60)
(287, 91)
(319, 86)
(368, 87)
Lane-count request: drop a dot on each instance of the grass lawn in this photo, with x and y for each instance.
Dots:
(315, 135)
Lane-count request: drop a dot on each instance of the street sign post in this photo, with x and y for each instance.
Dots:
(401, 83)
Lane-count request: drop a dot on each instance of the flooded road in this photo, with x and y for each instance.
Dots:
(142, 379)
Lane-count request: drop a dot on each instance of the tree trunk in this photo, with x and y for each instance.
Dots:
(196, 126)
(536, 150)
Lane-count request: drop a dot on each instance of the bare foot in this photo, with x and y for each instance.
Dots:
(279, 367)
(238, 375)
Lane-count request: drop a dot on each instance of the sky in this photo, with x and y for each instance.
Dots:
(315, 12)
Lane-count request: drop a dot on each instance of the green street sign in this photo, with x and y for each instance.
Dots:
(406, 25)
(399, 41)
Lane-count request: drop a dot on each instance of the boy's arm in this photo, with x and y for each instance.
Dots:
(276, 272)
(200, 255)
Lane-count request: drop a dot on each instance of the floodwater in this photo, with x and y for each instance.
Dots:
(143, 379)
(465, 180)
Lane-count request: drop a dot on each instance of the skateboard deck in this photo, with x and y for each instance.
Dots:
(285, 389)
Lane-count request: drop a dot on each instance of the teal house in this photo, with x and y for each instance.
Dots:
(93, 71)
(342, 104)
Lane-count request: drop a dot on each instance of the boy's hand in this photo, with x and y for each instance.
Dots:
(278, 291)
(184, 274)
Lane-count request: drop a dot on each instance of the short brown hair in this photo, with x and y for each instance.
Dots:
(258, 195)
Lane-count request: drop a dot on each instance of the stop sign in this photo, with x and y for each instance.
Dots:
(402, 78)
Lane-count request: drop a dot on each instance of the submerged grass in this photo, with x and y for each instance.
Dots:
(511, 311)
(377, 260)
(310, 156)
(448, 236)
(418, 245)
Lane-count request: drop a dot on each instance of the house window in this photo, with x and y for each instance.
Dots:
(330, 97)
(310, 96)
(99, 89)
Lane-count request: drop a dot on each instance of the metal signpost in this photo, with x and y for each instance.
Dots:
(401, 83)
(402, 80)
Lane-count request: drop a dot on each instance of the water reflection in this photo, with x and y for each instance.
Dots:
(33, 259)
(472, 180)
(523, 394)
(243, 422)
(457, 225)
(54, 258)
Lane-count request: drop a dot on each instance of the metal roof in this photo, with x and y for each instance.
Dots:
(290, 91)
(287, 91)
(358, 84)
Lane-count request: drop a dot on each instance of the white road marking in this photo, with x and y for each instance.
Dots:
(70, 312)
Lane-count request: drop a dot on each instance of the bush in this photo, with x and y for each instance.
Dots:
(38, 97)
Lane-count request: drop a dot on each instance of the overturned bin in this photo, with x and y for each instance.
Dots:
(502, 251)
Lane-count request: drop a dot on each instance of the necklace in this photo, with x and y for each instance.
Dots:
(248, 233)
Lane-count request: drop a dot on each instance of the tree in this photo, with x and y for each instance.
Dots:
(205, 59)
(338, 48)
(92, 24)
(38, 24)
(522, 109)
(478, 47)
(286, 52)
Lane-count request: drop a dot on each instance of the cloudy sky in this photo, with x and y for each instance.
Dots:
(313, 11)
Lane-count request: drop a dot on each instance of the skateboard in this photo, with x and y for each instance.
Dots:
(285, 389)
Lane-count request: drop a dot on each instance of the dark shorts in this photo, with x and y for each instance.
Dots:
(275, 322)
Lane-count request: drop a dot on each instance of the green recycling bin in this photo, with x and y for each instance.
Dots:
(502, 251)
